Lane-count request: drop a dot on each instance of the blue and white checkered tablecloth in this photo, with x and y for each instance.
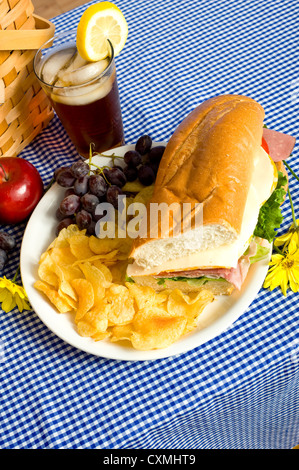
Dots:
(240, 389)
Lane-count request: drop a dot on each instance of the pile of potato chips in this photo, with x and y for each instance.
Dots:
(86, 275)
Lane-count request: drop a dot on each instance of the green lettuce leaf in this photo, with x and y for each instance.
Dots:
(196, 281)
(261, 253)
(270, 216)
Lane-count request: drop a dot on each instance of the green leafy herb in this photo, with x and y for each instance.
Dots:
(129, 279)
(270, 216)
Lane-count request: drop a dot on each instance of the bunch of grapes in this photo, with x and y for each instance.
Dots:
(142, 163)
(86, 188)
(7, 244)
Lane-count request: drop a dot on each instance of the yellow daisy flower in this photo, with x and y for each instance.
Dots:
(284, 271)
(291, 237)
(12, 295)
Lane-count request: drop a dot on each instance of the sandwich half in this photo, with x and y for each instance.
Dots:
(218, 162)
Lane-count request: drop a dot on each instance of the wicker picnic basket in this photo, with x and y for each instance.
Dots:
(24, 108)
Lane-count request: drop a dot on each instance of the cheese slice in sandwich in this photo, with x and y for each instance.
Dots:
(215, 158)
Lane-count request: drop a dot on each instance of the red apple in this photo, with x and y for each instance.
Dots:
(21, 187)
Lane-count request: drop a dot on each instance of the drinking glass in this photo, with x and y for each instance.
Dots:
(84, 94)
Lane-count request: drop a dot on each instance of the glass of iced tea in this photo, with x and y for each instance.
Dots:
(84, 94)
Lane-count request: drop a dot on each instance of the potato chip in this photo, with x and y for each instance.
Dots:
(115, 256)
(103, 245)
(71, 302)
(59, 302)
(68, 232)
(64, 284)
(182, 304)
(43, 256)
(120, 247)
(62, 256)
(79, 246)
(106, 245)
(97, 280)
(121, 332)
(46, 270)
(86, 329)
(71, 272)
(108, 258)
(189, 306)
(125, 246)
(120, 305)
(118, 271)
(133, 186)
(95, 322)
(85, 294)
(106, 271)
(144, 195)
(100, 336)
(153, 328)
(62, 239)
(146, 296)
(129, 201)
(98, 318)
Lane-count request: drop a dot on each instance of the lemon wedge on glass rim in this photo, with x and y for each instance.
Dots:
(99, 23)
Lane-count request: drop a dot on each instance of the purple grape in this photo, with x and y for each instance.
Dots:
(69, 191)
(59, 170)
(70, 205)
(97, 185)
(131, 173)
(65, 178)
(143, 144)
(132, 158)
(89, 202)
(64, 224)
(59, 214)
(79, 168)
(106, 174)
(156, 153)
(7, 242)
(115, 176)
(83, 219)
(91, 229)
(3, 258)
(154, 166)
(81, 185)
(117, 166)
(112, 195)
(146, 175)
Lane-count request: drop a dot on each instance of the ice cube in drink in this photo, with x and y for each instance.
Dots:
(85, 97)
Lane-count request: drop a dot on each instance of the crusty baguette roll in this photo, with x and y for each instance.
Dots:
(224, 132)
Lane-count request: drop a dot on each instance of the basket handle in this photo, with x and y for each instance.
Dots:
(21, 39)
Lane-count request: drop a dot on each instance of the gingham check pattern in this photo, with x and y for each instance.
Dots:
(239, 390)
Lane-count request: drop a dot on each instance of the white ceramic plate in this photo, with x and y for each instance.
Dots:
(40, 232)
